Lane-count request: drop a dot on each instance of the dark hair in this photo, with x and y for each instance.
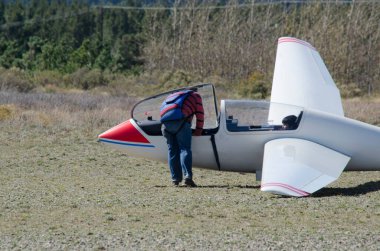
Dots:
(290, 121)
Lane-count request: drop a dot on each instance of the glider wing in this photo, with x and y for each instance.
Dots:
(296, 167)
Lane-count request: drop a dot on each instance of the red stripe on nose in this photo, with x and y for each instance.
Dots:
(125, 131)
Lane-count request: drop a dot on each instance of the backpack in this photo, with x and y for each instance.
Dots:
(171, 108)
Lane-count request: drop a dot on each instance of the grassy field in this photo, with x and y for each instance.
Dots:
(62, 190)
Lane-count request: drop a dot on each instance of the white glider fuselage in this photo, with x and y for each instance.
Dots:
(243, 151)
(360, 141)
(350, 137)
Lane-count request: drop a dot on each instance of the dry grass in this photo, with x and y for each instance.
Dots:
(366, 110)
(237, 42)
(60, 189)
(5, 112)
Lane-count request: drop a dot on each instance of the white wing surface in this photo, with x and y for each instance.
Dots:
(302, 79)
(296, 167)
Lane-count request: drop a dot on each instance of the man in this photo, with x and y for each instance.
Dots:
(289, 122)
(177, 113)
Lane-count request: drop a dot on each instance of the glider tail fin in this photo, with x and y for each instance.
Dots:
(301, 78)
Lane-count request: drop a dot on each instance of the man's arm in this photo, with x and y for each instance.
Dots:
(199, 114)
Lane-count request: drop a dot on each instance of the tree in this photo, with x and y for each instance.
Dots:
(126, 53)
(81, 57)
(29, 58)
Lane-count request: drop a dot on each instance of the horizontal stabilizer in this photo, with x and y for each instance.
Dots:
(297, 167)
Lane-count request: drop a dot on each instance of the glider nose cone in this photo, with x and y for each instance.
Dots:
(124, 132)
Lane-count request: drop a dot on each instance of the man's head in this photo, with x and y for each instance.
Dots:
(289, 122)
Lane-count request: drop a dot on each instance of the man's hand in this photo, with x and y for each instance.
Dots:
(197, 132)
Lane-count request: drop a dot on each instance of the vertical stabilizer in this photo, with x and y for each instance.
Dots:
(302, 79)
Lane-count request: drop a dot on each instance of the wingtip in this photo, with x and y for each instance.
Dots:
(283, 189)
(295, 40)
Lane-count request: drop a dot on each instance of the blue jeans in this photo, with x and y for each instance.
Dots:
(179, 149)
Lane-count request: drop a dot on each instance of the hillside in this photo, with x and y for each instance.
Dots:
(229, 42)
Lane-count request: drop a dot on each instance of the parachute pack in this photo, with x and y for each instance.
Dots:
(171, 108)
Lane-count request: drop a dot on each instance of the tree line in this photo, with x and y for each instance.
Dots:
(235, 42)
(65, 36)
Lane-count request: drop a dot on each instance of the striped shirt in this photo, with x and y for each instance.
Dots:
(193, 105)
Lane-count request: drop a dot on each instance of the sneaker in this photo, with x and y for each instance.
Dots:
(190, 183)
(175, 183)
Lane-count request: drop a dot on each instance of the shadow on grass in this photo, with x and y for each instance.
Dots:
(229, 186)
(213, 186)
(369, 187)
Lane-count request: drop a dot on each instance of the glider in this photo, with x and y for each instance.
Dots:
(248, 136)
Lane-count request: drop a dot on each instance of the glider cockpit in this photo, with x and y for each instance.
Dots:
(258, 115)
(146, 113)
(237, 115)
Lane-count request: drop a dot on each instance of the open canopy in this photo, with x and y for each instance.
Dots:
(149, 108)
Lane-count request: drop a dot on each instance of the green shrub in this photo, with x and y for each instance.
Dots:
(175, 79)
(46, 78)
(85, 79)
(15, 79)
(256, 86)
